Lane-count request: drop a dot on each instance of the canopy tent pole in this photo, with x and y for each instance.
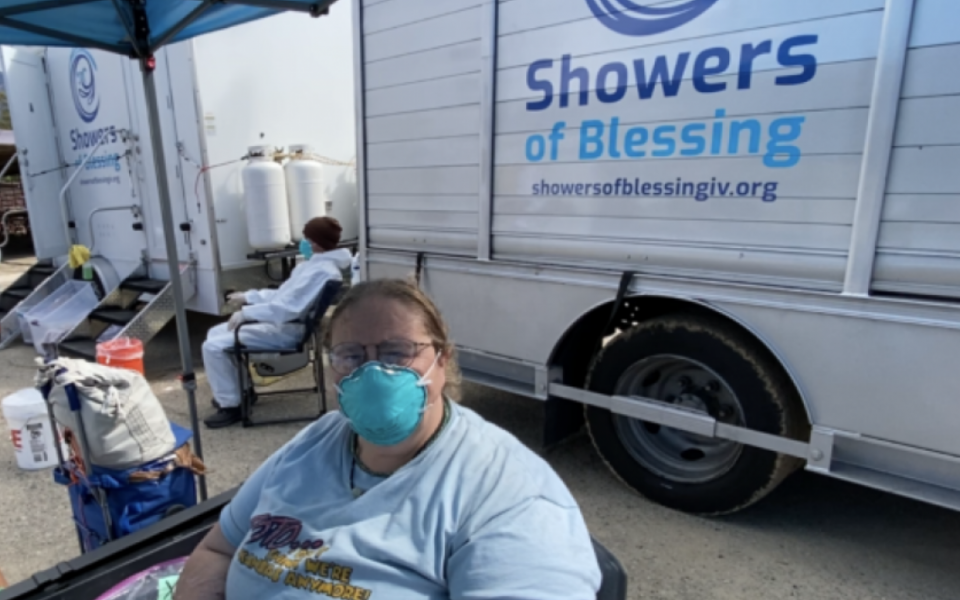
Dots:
(189, 379)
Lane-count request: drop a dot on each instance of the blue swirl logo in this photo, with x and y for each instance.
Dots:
(83, 84)
(630, 18)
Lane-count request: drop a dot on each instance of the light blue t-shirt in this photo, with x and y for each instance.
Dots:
(476, 515)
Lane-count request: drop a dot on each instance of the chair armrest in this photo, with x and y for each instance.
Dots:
(236, 332)
(614, 583)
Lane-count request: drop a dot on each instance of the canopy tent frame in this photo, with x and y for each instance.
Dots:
(135, 46)
(135, 42)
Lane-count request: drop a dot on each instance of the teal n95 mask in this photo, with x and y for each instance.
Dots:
(384, 403)
(306, 249)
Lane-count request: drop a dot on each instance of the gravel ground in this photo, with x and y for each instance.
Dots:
(813, 538)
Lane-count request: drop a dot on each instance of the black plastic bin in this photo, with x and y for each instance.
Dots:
(94, 573)
(87, 577)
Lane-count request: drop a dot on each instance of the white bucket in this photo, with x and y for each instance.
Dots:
(33, 443)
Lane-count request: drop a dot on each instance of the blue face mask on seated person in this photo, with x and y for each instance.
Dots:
(385, 404)
(306, 249)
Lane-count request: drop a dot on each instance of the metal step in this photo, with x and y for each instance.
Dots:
(124, 308)
(19, 292)
(39, 273)
(142, 284)
(42, 270)
(8, 302)
(115, 315)
(79, 347)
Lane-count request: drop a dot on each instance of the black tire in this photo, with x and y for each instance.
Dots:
(767, 401)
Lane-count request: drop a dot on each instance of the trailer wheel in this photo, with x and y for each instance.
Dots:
(703, 364)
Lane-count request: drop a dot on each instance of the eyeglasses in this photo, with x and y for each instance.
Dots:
(348, 357)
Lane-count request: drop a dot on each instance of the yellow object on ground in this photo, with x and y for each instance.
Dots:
(261, 381)
(78, 256)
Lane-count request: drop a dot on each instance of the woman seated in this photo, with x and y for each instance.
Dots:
(401, 494)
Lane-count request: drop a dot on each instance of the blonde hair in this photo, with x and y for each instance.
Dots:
(411, 296)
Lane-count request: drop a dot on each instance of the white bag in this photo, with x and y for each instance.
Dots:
(124, 423)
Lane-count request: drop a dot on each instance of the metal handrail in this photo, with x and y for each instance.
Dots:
(3, 224)
(134, 208)
(9, 164)
(73, 176)
(63, 192)
(21, 211)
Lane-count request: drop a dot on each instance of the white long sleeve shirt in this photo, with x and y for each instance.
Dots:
(293, 298)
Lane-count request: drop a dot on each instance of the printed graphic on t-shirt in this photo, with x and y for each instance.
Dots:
(274, 551)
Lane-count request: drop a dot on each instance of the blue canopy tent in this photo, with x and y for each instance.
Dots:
(137, 28)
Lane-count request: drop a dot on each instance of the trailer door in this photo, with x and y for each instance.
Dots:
(25, 80)
(157, 247)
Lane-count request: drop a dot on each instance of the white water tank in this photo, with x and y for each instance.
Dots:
(343, 205)
(265, 193)
(305, 189)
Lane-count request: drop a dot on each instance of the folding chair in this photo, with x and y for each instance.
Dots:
(614, 583)
(275, 363)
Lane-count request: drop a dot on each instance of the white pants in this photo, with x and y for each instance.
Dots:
(220, 365)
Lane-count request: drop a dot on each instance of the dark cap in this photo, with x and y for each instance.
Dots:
(323, 231)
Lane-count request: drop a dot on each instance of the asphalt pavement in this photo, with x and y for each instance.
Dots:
(813, 538)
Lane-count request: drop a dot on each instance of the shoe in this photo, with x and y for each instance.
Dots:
(224, 417)
(215, 404)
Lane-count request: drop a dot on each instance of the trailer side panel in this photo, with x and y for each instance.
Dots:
(422, 63)
(919, 244)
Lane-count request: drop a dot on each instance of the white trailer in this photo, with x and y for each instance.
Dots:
(280, 81)
(730, 229)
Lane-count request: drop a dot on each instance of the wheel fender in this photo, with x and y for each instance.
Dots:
(574, 353)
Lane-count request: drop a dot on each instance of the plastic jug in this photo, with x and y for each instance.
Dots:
(30, 430)
(122, 353)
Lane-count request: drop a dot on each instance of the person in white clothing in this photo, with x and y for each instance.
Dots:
(273, 311)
